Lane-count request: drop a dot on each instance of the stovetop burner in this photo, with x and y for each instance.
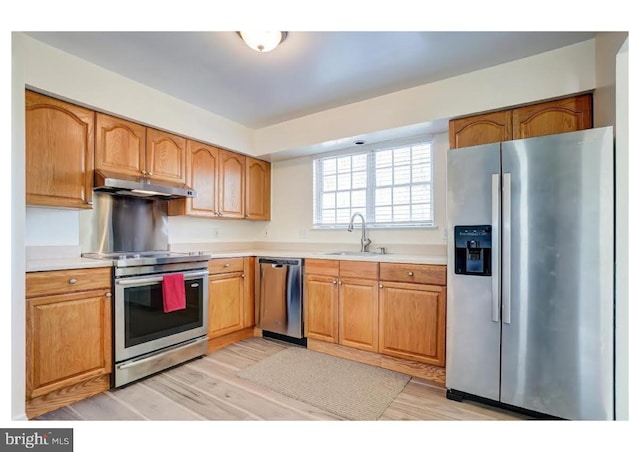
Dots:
(139, 258)
(132, 254)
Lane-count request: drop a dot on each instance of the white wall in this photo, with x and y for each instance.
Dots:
(552, 74)
(292, 214)
(63, 75)
(604, 98)
(15, 321)
(622, 231)
(51, 227)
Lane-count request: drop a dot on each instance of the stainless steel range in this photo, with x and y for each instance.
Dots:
(147, 337)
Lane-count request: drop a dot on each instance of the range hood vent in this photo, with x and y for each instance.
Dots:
(140, 187)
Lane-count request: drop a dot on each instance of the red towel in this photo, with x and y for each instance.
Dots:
(173, 296)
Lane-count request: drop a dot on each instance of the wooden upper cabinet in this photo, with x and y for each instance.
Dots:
(559, 116)
(202, 176)
(258, 189)
(120, 145)
(126, 147)
(166, 156)
(232, 184)
(59, 153)
(545, 118)
(480, 129)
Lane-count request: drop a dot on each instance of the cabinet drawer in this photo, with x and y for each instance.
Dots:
(226, 265)
(422, 274)
(359, 269)
(64, 281)
(322, 267)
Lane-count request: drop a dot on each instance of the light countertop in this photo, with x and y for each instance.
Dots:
(47, 263)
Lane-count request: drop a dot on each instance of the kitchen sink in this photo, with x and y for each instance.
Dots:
(353, 253)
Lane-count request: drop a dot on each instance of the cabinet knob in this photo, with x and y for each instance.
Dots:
(381, 286)
(243, 276)
(226, 265)
(410, 273)
(144, 173)
(108, 295)
(340, 283)
(149, 173)
(335, 282)
(73, 281)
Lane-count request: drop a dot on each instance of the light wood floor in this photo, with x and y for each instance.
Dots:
(208, 389)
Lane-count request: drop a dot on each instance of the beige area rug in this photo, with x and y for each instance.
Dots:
(349, 389)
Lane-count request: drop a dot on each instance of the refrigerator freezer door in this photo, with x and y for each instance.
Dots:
(473, 329)
(557, 350)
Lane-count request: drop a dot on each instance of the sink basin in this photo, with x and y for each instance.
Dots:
(353, 253)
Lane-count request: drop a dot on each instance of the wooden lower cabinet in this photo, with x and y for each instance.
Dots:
(231, 301)
(249, 319)
(68, 338)
(226, 303)
(358, 313)
(412, 321)
(321, 307)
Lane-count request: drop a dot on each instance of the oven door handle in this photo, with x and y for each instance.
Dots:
(157, 279)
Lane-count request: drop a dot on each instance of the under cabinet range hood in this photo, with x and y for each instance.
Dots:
(145, 187)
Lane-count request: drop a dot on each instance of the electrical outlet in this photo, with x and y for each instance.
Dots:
(215, 232)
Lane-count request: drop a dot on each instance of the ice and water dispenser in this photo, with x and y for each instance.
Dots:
(473, 250)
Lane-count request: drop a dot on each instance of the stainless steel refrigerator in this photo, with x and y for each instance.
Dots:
(530, 307)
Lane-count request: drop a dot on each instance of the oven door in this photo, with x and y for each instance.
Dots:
(142, 326)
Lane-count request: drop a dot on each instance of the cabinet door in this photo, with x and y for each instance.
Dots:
(412, 321)
(358, 314)
(166, 157)
(59, 153)
(564, 115)
(226, 303)
(321, 307)
(480, 129)
(258, 189)
(231, 194)
(202, 176)
(249, 292)
(120, 145)
(68, 340)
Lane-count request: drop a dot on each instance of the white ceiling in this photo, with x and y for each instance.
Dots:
(308, 73)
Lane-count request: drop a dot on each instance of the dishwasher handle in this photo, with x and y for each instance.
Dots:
(278, 261)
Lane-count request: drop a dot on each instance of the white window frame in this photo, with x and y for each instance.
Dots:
(371, 184)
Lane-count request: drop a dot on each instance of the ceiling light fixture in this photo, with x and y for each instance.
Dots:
(263, 41)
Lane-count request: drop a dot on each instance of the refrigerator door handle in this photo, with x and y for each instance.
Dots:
(495, 248)
(506, 248)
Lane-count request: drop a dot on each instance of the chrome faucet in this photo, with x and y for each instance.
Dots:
(364, 241)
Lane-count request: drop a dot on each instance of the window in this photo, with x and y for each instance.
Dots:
(390, 186)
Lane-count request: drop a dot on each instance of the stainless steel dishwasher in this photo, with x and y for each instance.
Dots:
(279, 298)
